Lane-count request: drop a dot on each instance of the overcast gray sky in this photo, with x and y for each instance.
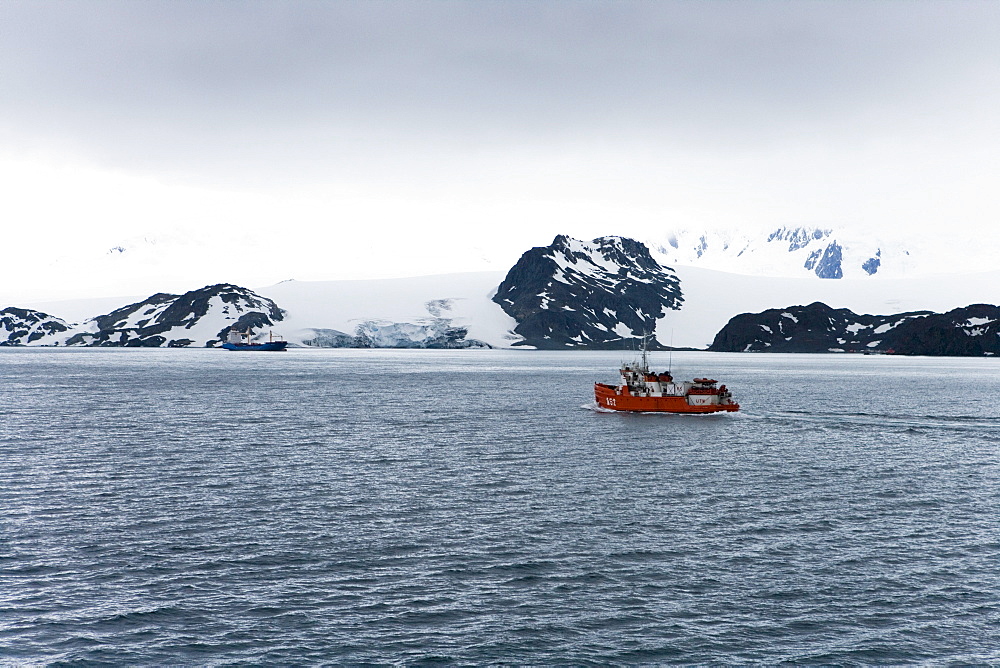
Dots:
(493, 125)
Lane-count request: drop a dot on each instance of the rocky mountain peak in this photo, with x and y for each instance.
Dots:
(606, 293)
(817, 328)
(201, 317)
(20, 326)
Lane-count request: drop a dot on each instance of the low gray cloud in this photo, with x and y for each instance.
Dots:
(248, 83)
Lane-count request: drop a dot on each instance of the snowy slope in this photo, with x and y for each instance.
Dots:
(79, 310)
(405, 307)
(810, 252)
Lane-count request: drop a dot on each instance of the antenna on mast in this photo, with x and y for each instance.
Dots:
(670, 355)
(645, 346)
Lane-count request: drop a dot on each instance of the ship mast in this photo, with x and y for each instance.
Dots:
(670, 355)
(645, 358)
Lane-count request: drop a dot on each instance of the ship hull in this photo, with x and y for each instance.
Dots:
(608, 397)
(266, 346)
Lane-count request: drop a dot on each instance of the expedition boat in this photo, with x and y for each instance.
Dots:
(241, 341)
(643, 391)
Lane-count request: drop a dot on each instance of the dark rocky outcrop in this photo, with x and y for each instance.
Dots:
(603, 295)
(968, 331)
(826, 263)
(21, 326)
(872, 264)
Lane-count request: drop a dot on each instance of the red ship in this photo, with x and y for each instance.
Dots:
(643, 391)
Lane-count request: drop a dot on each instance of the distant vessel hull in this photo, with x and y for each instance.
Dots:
(266, 346)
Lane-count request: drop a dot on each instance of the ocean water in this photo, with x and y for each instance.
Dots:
(208, 507)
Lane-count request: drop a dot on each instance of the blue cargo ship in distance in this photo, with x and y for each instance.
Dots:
(241, 341)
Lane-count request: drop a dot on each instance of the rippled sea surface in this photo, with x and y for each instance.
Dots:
(202, 506)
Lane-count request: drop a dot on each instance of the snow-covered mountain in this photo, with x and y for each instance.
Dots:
(198, 318)
(605, 294)
(819, 252)
(602, 294)
(426, 312)
(616, 292)
(22, 327)
(972, 330)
